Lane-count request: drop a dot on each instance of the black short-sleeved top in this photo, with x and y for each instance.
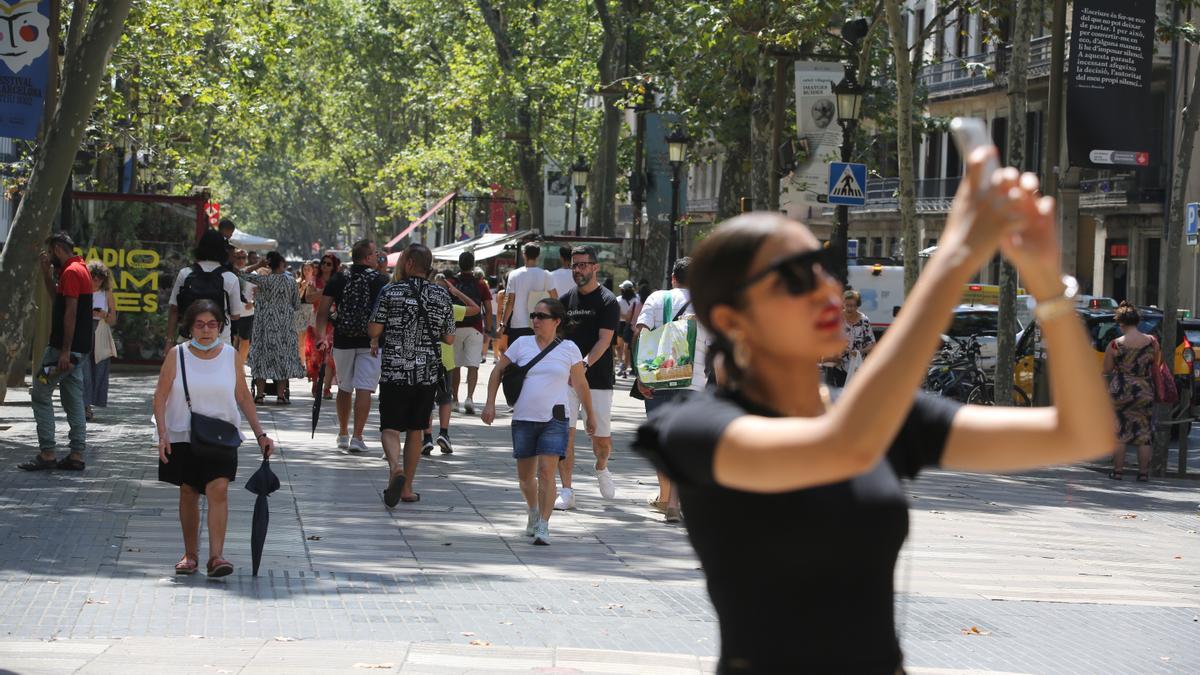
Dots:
(801, 581)
(591, 312)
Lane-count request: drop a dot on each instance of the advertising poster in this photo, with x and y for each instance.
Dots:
(817, 125)
(144, 245)
(658, 169)
(1112, 46)
(24, 66)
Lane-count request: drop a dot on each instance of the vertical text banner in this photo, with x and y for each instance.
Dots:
(817, 124)
(24, 65)
(1112, 47)
(658, 169)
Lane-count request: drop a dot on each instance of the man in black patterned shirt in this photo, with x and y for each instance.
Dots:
(413, 317)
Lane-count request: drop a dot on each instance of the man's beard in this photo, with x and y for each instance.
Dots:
(581, 280)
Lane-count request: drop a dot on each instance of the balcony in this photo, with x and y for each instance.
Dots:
(984, 72)
(1117, 192)
(706, 205)
(933, 195)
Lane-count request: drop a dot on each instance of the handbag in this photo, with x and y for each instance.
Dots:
(665, 356)
(513, 378)
(1165, 390)
(105, 345)
(210, 438)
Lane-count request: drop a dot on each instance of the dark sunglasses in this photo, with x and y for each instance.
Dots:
(800, 273)
(534, 316)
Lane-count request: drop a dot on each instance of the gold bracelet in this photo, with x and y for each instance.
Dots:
(1054, 308)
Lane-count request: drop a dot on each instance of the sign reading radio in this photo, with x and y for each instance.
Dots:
(135, 276)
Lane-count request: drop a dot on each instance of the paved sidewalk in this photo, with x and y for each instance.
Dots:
(1055, 571)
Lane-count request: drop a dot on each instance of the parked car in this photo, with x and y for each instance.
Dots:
(882, 290)
(981, 322)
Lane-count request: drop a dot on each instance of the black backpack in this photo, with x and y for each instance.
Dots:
(356, 303)
(201, 285)
(471, 290)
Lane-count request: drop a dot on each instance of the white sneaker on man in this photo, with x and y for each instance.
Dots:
(357, 445)
(565, 500)
(608, 488)
(343, 442)
(469, 406)
(456, 407)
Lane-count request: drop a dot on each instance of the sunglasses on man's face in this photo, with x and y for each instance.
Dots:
(210, 325)
(540, 316)
(801, 273)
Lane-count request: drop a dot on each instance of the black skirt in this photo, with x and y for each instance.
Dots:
(185, 468)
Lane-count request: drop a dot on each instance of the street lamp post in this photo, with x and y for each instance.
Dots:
(518, 194)
(677, 145)
(579, 178)
(849, 95)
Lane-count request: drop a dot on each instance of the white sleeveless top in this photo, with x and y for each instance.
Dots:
(211, 383)
(100, 301)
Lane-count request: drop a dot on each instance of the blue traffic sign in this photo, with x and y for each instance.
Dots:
(852, 249)
(1193, 219)
(847, 184)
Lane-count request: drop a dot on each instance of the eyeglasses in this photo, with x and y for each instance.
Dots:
(801, 273)
(201, 325)
(582, 265)
(535, 316)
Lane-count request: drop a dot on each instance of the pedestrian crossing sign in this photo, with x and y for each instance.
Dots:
(847, 184)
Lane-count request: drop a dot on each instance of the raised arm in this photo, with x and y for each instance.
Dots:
(782, 454)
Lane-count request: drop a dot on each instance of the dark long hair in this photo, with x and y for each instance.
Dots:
(719, 266)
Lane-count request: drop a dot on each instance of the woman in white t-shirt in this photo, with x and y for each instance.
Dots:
(539, 424)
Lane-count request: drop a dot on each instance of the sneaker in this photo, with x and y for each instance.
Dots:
(427, 448)
(456, 407)
(531, 522)
(357, 445)
(541, 533)
(673, 515)
(469, 406)
(608, 488)
(343, 442)
(443, 442)
(565, 500)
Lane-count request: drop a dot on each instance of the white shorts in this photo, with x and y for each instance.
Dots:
(601, 405)
(468, 347)
(357, 370)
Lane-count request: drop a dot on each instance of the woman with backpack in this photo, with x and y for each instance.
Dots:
(539, 423)
(273, 351)
(209, 278)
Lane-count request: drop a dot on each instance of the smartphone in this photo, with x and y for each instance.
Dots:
(969, 134)
(560, 412)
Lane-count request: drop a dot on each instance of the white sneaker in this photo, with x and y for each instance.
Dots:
(469, 406)
(608, 488)
(541, 533)
(343, 442)
(456, 407)
(357, 445)
(532, 522)
(565, 500)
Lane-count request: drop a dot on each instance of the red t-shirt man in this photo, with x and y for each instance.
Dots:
(73, 282)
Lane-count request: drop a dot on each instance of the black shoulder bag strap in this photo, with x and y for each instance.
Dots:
(183, 373)
(681, 311)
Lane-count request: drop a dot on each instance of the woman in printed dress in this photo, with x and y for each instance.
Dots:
(313, 357)
(273, 351)
(861, 340)
(1129, 363)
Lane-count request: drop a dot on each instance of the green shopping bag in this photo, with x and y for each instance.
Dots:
(666, 356)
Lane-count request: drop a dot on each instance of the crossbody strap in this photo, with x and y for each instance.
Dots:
(681, 310)
(183, 372)
(549, 348)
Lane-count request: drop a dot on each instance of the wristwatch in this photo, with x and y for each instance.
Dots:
(1059, 305)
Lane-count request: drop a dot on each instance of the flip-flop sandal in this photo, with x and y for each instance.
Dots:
(219, 567)
(409, 500)
(187, 565)
(70, 464)
(38, 463)
(391, 496)
(1143, 478)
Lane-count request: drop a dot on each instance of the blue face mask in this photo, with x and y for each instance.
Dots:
(204, 348)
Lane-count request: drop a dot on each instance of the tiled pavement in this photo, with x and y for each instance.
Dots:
(1059, 571)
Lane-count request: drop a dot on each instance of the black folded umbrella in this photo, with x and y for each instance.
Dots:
(318, 391)
(262, 483)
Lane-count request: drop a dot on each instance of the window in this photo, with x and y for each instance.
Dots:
(876, 247)
(933, 155)
(966, 324)
(1000, 135)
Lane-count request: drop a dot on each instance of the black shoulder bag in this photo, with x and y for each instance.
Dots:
(211, 439)
(513, 379)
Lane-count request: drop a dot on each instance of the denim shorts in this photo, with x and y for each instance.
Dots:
(531, 439)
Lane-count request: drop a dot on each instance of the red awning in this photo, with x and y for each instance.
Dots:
(428, 214)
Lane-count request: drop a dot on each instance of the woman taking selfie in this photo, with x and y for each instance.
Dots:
(770, 468)
(539, 423)
(215, 388)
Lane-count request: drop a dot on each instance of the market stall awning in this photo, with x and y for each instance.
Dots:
(416, 223)
(251, 242)
(486, 245)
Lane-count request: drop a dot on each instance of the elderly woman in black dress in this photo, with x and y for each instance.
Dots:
(792, 495)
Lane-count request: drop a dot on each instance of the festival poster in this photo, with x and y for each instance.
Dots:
(24, 66)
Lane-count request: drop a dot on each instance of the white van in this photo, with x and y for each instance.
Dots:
(882, 290)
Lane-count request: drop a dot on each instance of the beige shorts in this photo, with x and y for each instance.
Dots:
(468, 347)
(601, 405)
(357, 370)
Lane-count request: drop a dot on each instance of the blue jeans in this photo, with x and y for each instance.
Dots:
(70, 388)
(531, 439)
(663, 397)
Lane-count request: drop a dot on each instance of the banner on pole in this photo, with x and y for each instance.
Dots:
(817, 126)
(1112, 47)
(24, 66)
(658, 169)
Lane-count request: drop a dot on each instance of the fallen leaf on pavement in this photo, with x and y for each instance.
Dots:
(280, 638)
(468, 633)
(974, 630)
(133, 550)
(313, 537)
(378, 666)
(614, 605)
(90, 601)
(481, 643)
(1129, 516)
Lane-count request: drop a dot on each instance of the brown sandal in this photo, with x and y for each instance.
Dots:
(219, 567)
(187, 565)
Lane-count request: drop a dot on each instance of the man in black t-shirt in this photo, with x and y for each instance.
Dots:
(354, 293)
(593, 316)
